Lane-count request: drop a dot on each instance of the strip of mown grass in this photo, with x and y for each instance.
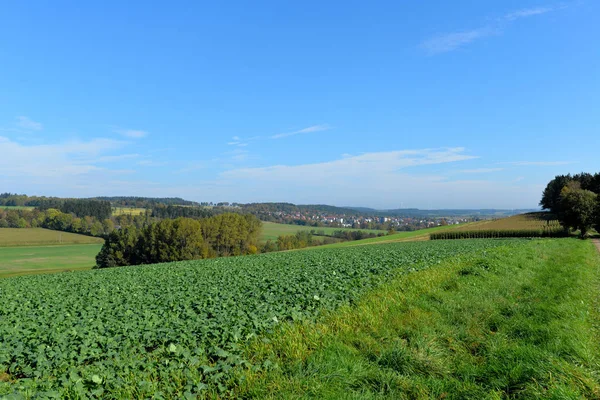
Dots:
(520, 322)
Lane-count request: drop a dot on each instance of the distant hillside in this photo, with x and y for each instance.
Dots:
(145, 202)
(415, 212)
(22, 200)
(362, 209)
(293, 208)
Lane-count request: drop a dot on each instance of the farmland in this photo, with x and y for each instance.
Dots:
(418, 235)
(37, 250)
(180, 328)
(16, 208)
(519, 323)
(271, 230)
(10, 237)
(116, 211)
(24, 260)
(524, 225)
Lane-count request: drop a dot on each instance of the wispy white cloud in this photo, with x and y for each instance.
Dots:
(452, 41)
(152, 163)
(132, 133)
(455, 40)
(118, 157)
(379, 179)
(28, 124)
(240, 142)
(527, 12)
(368, 164)
(538, 163)
(310, 129)
(59, 161)
(480, 170)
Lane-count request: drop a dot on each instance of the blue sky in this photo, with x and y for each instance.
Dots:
(432, 105)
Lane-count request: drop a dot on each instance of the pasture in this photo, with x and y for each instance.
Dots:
(16, 208)
(10, 237)
(271, 230)
(25, 260)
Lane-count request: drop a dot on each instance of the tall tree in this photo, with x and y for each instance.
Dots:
(551, 197)
(578, 208)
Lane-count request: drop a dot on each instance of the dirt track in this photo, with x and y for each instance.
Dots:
(597, 243)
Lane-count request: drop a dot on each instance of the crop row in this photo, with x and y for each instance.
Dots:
(501, 233)
(176, 329)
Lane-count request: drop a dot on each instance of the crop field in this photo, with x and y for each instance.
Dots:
(10, 237)
(518, 323)
(25, 260)
(271, 230)
(412, 236)
(524, 225)
(180, 329)
(127, 211)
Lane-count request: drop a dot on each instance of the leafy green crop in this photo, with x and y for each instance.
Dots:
(173, 330)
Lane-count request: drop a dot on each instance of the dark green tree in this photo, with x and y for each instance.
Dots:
(551, 197)
(578, 208)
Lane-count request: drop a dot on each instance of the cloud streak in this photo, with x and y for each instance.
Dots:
(53, 161)
(310, 129)
(132, 133)
(378, 179)
(28, 124)
(239, 142)
(455, 40)
(480, 170)
(351, 167)
(539, 163)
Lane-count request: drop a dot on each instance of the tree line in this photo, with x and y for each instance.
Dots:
(175, 211)
(575, 200)
(67, 222)
(180, 239)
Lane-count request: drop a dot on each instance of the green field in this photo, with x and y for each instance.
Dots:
(271, 230)
(10, 237)
(16, 208)
(181, 327)
(127, 211)
(419, 235)
(25, 260)
(517, 322)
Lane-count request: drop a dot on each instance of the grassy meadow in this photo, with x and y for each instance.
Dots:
(127, 211)
(26, 260)
(36, 250)
(16, 208)
(10, 237)
(513, 322)
(271, 230)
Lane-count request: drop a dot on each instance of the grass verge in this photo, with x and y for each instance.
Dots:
(520, 322)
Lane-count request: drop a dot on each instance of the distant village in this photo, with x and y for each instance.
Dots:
(362, 221)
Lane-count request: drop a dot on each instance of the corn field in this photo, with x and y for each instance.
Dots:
(519, 226)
